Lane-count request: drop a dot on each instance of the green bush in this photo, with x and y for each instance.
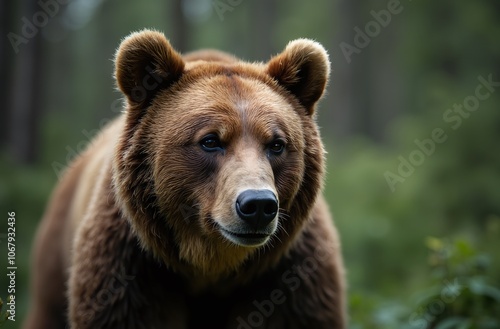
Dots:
(461, 292)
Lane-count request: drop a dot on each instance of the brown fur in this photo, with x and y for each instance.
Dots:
(144, 207)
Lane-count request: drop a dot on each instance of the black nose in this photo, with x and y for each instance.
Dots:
(257, 207)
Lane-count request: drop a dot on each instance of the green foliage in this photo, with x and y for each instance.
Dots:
(3, 315)
(463, 293)
(460, 293)
(452, 194)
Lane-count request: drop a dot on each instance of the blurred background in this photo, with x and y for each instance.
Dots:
(411, 122)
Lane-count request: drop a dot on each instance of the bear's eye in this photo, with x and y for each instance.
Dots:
(211, 143)
(276, 147)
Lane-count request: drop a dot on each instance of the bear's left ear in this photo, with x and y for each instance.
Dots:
(145, 63)
(303, 69)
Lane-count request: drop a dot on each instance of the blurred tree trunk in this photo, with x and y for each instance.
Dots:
(25, 96)
(344, 85)
(384, 82)
(366, 85)
(7, 11)
(360, 69)
(264, 17)
(181, 33)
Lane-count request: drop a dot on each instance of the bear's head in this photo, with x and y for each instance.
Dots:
(219, 161)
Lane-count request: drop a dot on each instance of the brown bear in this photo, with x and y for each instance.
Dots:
(200, 205)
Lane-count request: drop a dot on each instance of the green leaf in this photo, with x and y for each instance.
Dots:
(455, 322)
(489, 324)
(464, 248)
(479, 287)
(434, 243)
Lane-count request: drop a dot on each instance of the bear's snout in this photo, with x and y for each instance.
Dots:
(256, 218)
(257, 208)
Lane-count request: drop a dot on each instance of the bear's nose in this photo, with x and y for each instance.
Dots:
(257, 207)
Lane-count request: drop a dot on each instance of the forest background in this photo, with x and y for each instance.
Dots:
(411, 122)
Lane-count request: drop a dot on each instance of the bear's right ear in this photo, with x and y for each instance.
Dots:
(145, 63)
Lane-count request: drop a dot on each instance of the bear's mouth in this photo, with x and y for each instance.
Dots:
(253, 239)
